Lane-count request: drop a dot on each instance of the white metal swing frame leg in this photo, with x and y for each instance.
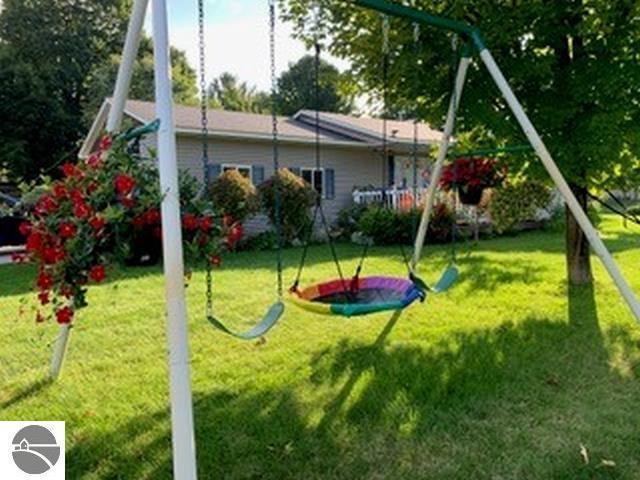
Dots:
(581, 217)
(449, 125)
(182, 429)
(114, 120)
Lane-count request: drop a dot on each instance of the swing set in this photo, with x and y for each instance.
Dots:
(341, 296)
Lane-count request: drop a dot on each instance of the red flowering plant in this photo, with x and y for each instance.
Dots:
(90, 217)
(472, 173)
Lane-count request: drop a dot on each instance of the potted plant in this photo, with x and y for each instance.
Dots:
(470, 176)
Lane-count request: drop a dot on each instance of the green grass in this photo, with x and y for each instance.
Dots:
(507, 376)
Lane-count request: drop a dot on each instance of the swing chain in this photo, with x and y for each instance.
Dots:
(274, 136)
(204, 132)
(203, 94)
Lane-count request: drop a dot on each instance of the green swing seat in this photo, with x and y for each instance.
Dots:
(447, 279)
(268, 321)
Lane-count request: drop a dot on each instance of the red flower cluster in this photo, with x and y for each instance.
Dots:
(63, 238)
(95, 212)
(472, 173)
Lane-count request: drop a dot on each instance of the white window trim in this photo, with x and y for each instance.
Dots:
(313, 170)
(236, 166)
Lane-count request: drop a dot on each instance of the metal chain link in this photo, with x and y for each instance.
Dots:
(274, 138)
(385, 99)
(204, 132)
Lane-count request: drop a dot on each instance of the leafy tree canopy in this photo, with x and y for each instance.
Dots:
(296, 88)
(229, 93)
(574, 65)
(48, 50)
(102, 79)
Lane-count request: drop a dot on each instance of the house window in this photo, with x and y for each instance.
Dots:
(243, 170)
(314, 177)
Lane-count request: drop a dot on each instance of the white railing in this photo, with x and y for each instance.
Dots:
(393, 198)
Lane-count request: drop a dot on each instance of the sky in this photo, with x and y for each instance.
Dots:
(237, 38)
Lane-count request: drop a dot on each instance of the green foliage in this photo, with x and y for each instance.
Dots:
(104, 210)
(235, 195)
(562, 58)
(101, 80)
(36, 129)
(229, 93)
(389, 227)
(296, 88)
(441, 224)
(513, 203)
(296, 198)
(348, 219)
(382, 225)
(48, 50)
(262, 241)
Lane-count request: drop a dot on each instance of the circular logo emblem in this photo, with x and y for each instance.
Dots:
(35, 450)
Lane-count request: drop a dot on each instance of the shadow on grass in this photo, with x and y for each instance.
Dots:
(529, 379)
(552, 242)
(487, 274)
(20, 279)
(26, 392)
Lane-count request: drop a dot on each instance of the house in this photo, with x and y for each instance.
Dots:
(351, 147)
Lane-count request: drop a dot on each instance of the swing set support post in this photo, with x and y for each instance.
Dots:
(114, 120)
(449, 125)
(472, 34)
(125, 69)
(182, 431)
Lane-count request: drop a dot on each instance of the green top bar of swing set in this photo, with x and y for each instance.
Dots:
(418, 16)
(146, 129)
(481, 152)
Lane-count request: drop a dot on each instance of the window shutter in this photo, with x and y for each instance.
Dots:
(295, 170)
(257, 174)
(214, 171)
(329, 183)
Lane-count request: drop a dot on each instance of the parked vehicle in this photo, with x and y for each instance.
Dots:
(10, 221)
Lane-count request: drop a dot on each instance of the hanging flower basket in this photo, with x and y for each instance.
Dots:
(93, 216)
(471, 195)
(470, 177)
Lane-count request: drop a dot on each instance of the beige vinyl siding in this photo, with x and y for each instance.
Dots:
(352, 166)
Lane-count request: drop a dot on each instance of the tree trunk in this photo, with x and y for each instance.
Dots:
(577, 245)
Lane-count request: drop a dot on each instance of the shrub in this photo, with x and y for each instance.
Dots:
(262, 241)
(389, 227)
(296, 197)
(513, 203)
(382, 225)
(440, 224)
(348, 219)
(235, 195)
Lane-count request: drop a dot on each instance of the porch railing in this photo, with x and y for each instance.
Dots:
(393, 198)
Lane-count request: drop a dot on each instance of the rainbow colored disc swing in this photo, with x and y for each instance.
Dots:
(370, 294)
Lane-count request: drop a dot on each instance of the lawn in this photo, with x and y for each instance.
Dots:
(509, 375)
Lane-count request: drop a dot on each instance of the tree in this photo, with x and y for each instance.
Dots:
(296, 88)
(102, 80)
(48, 50)
(229, 93)
(573, 64)
(34, 124)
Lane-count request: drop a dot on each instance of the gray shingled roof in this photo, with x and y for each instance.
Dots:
(373, 127)
(343, 126)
